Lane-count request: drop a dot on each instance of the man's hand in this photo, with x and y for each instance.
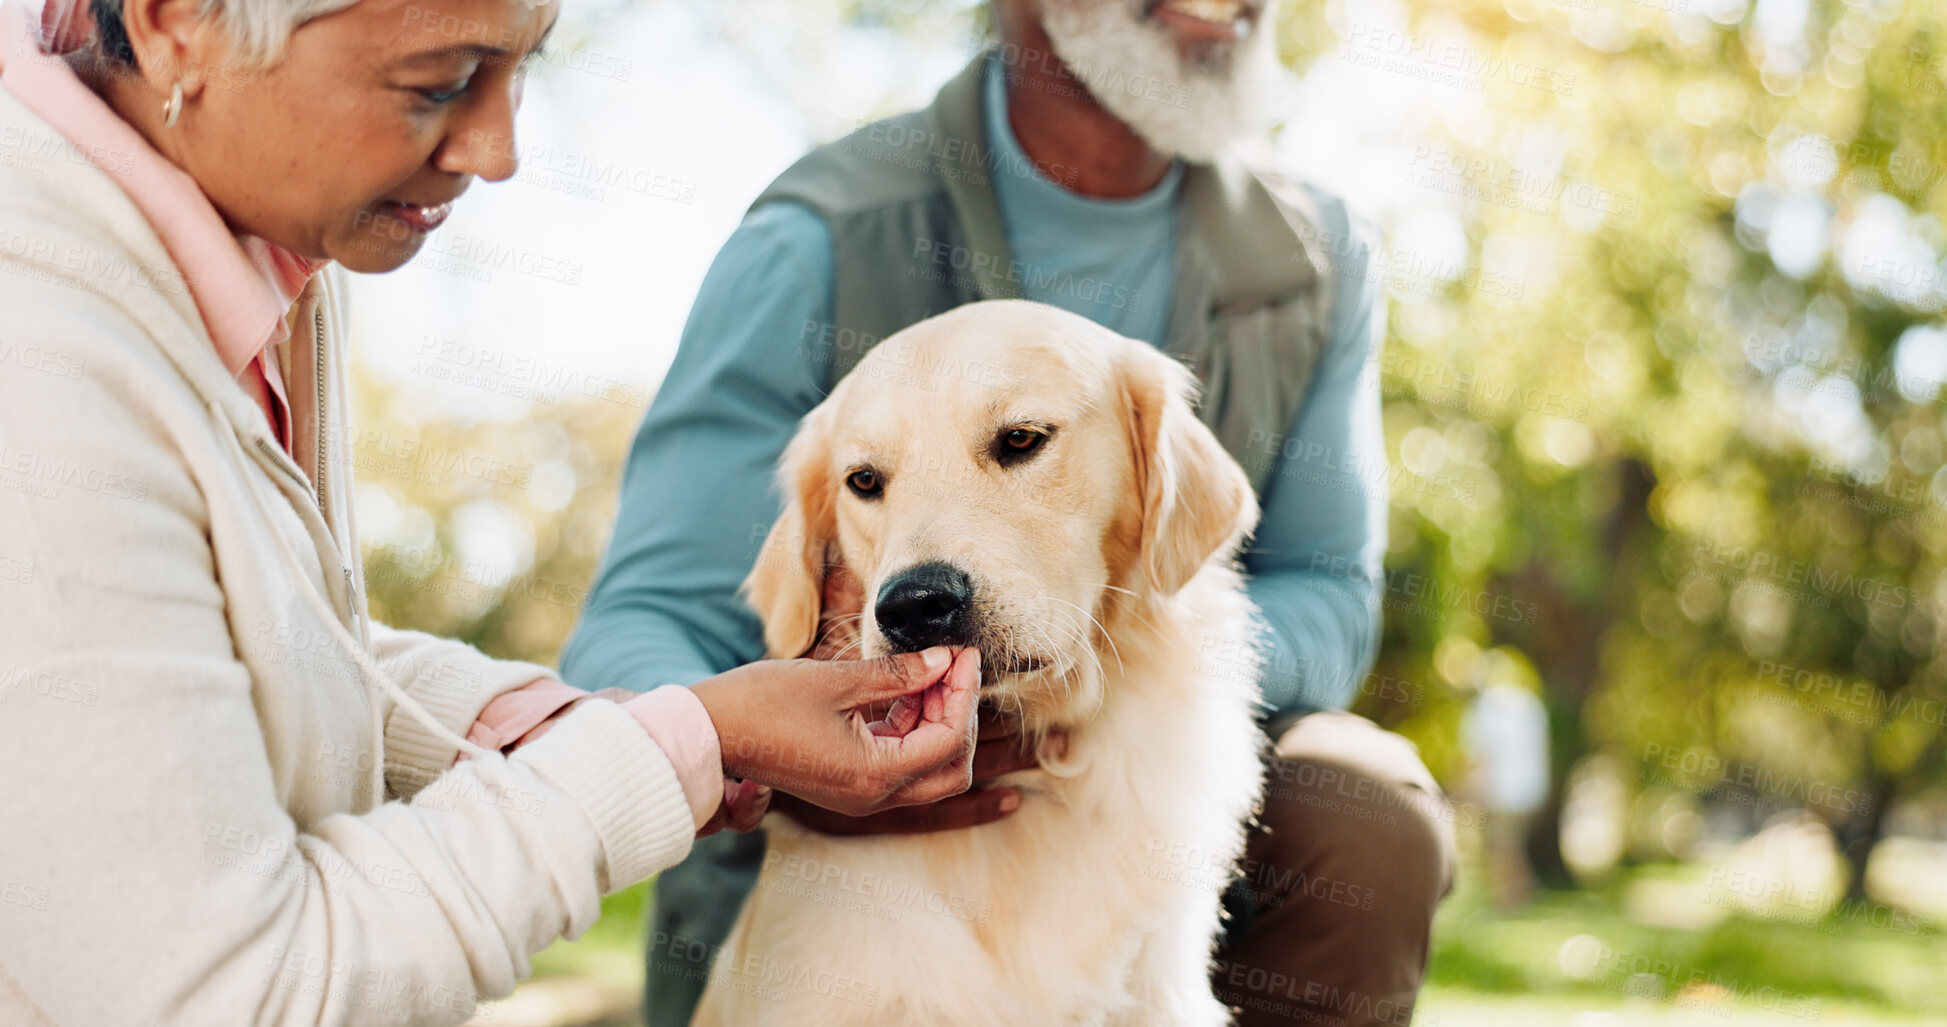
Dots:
(839, 611)
(744, 804)
(1001, 750)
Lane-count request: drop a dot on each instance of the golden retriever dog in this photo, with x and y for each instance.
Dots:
(1016, 478)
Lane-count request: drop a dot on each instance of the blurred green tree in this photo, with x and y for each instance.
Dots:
(1692, 375)
(489, 532)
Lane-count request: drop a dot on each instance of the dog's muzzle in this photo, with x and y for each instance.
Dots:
(926, 605)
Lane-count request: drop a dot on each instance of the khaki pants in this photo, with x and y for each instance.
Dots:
(1330, 919)
(1334, 906)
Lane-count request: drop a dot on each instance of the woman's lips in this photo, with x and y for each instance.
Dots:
(416, 217)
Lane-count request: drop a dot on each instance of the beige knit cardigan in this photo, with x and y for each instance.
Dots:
(225, 794)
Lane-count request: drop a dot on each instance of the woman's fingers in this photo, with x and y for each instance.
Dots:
(771, 715)
(935, 704)
(949, 704)
(860, 683)
(904, 713)
(935, 758)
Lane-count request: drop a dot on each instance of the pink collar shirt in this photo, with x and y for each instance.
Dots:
(243, 286)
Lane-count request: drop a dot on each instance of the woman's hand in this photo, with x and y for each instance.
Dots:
(809, 727)
(1001, 750)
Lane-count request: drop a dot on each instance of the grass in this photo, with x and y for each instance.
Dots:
(1605, 957)
(1608, 957)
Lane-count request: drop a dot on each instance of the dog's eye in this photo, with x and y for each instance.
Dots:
(1017, 444)
(865, 483)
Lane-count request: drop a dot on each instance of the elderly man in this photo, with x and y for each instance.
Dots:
(1085, 162)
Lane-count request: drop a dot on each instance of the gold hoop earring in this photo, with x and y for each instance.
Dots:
(173, 107)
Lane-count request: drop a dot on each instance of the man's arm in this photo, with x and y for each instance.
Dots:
(697, 496)
(1316, 562)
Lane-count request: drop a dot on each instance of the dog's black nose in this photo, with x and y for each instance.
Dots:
(926, 605)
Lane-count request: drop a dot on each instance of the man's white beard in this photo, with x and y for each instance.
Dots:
(1188, 108)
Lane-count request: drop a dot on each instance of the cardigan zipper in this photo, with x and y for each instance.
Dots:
(324, 506)
(324, 443)
(318, 486)
(284, 467)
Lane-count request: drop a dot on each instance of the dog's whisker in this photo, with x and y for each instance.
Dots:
(1075, 636)
(1139, 614)
(1081, 643)
(1099, 626)
(1067, 689)
(1135, 609)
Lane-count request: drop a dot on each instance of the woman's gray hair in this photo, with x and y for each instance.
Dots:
(260, 28)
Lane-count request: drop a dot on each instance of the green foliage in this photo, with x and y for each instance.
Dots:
(488, 532)
(1675, 383)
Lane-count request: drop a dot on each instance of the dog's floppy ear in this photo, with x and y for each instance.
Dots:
(1196, 501)
(787, 584)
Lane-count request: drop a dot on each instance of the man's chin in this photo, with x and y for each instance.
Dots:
(1181, 83)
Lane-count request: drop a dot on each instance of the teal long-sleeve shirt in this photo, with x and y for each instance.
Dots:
(697, 497)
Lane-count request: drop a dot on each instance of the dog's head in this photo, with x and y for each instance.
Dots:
(1007, 476)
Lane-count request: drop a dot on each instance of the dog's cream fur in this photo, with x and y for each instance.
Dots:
(1107, 606)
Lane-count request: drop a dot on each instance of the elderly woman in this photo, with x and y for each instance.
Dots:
(229, 796)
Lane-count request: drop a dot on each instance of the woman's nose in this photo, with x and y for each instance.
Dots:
(483, 144)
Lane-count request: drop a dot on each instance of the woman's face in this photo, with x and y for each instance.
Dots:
(354, 145)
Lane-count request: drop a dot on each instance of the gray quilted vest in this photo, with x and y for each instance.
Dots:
(915, 232)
